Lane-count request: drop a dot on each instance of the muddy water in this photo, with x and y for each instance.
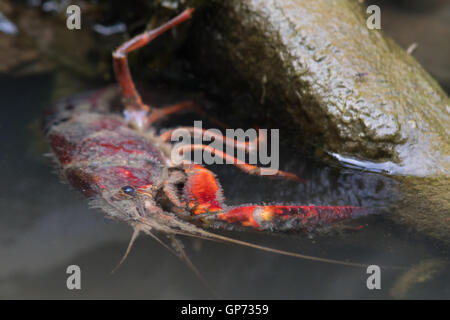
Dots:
(45, 227)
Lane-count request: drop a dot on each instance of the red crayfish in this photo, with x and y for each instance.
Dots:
(124, 167)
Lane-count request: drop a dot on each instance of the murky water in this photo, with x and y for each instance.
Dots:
(46, 226)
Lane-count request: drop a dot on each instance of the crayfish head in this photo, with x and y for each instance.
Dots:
(129, 202)
(163, 196)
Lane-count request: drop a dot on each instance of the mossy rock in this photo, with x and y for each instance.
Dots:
(317, 66)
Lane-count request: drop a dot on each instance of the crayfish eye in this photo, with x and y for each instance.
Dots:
(129, 190)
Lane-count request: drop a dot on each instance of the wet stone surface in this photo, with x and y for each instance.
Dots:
(316, 65)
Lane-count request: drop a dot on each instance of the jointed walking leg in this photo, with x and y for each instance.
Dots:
(135, 110)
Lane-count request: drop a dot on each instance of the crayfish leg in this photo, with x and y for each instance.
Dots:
(245, 167)
(246, 146)
(160, 113)
(135, 110)
(181, 253)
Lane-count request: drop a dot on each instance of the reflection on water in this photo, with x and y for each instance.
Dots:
(45, 227)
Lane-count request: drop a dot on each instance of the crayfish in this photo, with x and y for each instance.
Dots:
(124, 167)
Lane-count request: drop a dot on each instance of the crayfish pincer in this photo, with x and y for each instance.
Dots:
(126, 169)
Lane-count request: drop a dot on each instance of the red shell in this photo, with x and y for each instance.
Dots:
(97, 151)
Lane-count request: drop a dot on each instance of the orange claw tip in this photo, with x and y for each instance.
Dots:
(189, 12)
(289, 176)
(294, 177)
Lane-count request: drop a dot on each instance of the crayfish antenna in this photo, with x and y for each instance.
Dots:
(136, 232)
(216, 237)
(178, 250)
(181, 253)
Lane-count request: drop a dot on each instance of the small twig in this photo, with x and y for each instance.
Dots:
(412, 47)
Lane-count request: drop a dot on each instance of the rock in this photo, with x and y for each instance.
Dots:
(425, 24)
(316, 65)
(425, 207)
(352, 91)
